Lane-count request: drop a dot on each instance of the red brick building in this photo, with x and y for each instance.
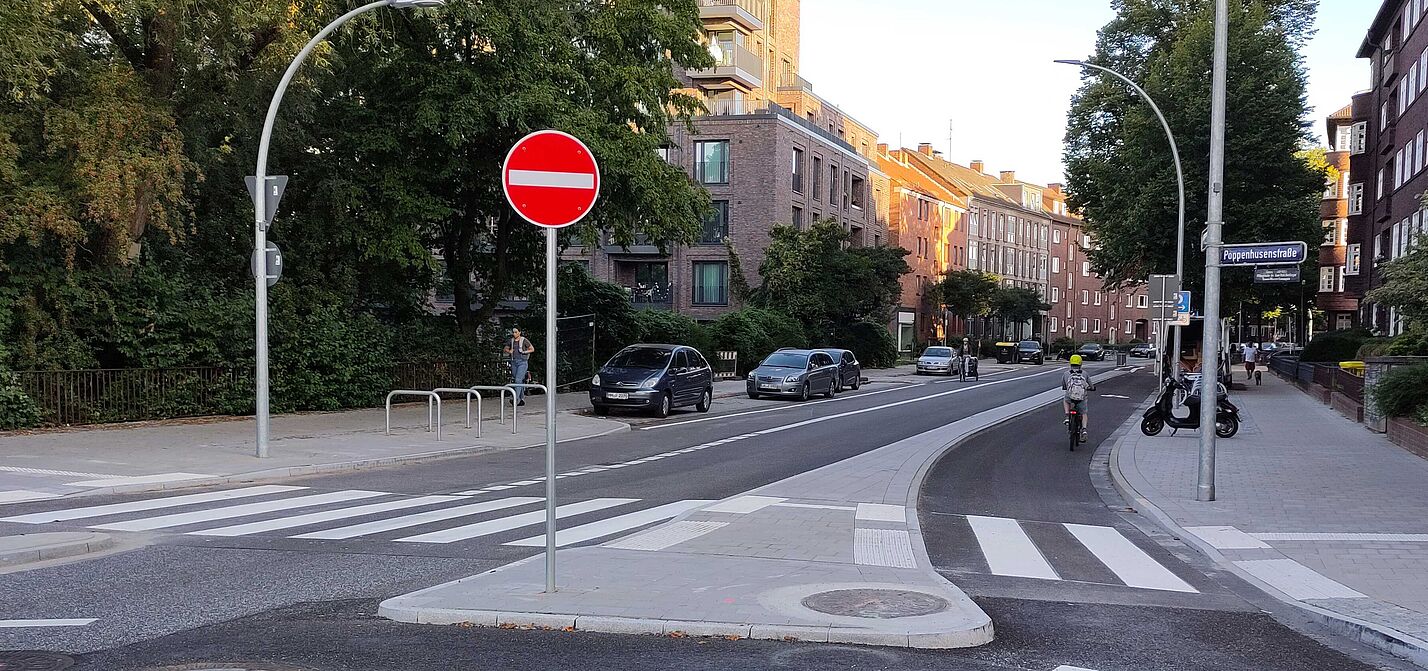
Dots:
(1082, 308)
(927, 218)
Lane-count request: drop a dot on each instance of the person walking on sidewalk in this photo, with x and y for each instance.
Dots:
(519, 349)
(1250, 351)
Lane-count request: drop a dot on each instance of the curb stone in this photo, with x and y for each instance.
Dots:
(1377, 636)
(30, 548)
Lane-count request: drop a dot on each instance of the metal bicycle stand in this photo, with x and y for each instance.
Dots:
(504, 389)
(432, 398)
(469, 393)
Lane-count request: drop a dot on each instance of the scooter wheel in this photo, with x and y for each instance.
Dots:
(1151, 426)
(1227, 426)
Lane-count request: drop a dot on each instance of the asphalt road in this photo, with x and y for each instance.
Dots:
(266, 600)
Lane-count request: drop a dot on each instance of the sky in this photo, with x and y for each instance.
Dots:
(907, 68)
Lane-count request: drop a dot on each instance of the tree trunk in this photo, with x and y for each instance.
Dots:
(494, 290)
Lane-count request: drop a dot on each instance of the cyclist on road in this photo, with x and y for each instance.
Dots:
(1077, 386)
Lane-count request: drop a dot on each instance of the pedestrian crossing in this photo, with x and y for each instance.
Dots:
(1054, 551)
(299, 513)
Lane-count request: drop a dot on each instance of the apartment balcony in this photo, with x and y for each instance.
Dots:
(652, 296)
(749, 15)
(739, 69)
(640, 246)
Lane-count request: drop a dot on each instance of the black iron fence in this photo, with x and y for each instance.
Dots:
(98, 396)
(1327, 377)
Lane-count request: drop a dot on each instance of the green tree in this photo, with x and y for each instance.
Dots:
(1119, 169)
(1017, 305)
(967, 293)
(1405, 286)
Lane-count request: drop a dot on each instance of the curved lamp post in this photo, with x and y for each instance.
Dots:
(260, 232)
(1179, 177)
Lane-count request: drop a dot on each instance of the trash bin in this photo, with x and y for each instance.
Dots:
(1006, 352)
(1120, 357)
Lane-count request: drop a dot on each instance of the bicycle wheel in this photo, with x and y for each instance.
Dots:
(1075, 429)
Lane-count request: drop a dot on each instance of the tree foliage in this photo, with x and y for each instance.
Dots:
(967, 293)
(1405, 286)
(1119, 168)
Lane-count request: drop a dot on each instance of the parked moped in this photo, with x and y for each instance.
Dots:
(1161, 414)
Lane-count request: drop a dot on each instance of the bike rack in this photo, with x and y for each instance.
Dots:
(549, 398)
(469, 393)
(432, 399)
(504, 390)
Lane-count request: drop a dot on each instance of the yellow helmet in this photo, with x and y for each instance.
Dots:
(1075, 359)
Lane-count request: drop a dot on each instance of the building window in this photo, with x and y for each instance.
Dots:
(833, 185)
(711, 161)
(1097, 324)
(1098, 301)
(817, 177)
(1356, 196)
(1326, 280)
(1128, 327)
(798, 217)
(1142, 301)
(797, 170)
(1359, 143)
(856, 192)
(1085, 269)
(1055, 236)
(1083, 324)
(711, 283)
(1085, 297)
(1055, 296)
(716, 224)
(1052, 326)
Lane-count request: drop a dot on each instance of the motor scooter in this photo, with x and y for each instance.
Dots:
(1161, 414)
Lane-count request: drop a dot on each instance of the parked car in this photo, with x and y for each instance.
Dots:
(936, 360)
(658, 378)
(1092, 352)
(799, 373)
(850, 372)
(1142, 350)
(1029, 351)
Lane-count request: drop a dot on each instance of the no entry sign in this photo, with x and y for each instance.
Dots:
(551, 178)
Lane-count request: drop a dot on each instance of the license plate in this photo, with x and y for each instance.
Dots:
(769, 386)
(618, 396)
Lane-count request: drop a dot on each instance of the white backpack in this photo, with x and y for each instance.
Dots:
(1077, 387)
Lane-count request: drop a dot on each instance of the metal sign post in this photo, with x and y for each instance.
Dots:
(1214, 256)
(552, 180)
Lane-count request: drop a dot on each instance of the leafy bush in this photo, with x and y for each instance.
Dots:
(1373, 347)
(330, 359)
(785, 331)
(663, 326)
(1413, 342)
(17, 410)
(871, 343)
(740, 332)
(1403, 392)
(1062, 344)
(1335, 346)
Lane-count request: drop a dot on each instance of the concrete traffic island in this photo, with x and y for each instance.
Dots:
(31, 548)
(831, 555)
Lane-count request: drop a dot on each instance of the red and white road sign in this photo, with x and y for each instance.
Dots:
(551, 178)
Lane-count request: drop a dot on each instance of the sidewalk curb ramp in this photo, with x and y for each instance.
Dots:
(1378, 636)
(30, 548)
(511, 596)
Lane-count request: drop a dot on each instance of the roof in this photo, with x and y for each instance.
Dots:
(1381, 24)
(961, 177)
(1345, 112)
(921, 183)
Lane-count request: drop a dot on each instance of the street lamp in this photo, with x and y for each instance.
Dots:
(1179, 178)
(260, 232)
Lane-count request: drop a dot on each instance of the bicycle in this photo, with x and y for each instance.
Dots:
(1073, 426)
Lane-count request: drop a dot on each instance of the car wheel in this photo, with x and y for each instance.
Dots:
(803, 393)
(662, 410)
(602, 410)
(832, 389)
(754, 395)
(706, 399)
(857, 382)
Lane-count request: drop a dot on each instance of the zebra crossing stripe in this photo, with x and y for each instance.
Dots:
(229, 512)
(378, 526)
(323, 516)
(1130, 563)
(496, 526)
(612, 525)
(1008, 550)
(148, 504)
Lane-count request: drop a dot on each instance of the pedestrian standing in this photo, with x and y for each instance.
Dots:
(1251, 353)
(519, 349)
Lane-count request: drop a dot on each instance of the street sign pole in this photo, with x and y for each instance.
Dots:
(1210, 370)
(550, 263)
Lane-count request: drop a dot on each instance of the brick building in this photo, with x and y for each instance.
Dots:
(1340, 306)
(1386, 143)
(762, 163)
(1082, 308)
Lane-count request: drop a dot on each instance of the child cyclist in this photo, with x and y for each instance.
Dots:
(1077, 384)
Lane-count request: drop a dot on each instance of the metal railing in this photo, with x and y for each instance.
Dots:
(432, 399)
(133, 394)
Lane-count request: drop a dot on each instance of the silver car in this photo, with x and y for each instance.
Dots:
(936, 361)
(799, 373)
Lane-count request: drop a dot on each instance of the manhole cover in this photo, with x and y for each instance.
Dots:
(876, 603)
(32, 660)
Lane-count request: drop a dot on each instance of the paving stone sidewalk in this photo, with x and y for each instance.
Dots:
(834, 554)
(1310, 506)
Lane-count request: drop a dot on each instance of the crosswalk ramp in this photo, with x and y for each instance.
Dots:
(1054, 551)
(299, 513)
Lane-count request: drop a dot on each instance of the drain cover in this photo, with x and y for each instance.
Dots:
(876, 603)
(33, 660)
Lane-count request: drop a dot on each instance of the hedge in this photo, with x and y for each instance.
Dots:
(1403, 392)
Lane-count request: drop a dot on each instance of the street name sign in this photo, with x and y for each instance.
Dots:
(551, 178)
(1264, 254)
(1276, 275)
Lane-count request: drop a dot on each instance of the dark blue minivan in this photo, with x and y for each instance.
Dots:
(657, 378)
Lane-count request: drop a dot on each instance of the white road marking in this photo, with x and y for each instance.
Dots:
(1297, 580)
(1347, 537)
(496, 526)
(883, 547)
(1063, 667)
(1008, 550)
(881, 512)
(779, 408)
(524, 483)
(499, 488)
(743, 505)
(139, 479)
(45, 471)
(815, 506)
(148, 504)
(323, 516)
(664, 537)
(1227, 538)
(230, 512)
(555, 180)
(1130, 563)
(1113, 396)
(21, 495)
(69, 622)
(405, 521)
(613, 525)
